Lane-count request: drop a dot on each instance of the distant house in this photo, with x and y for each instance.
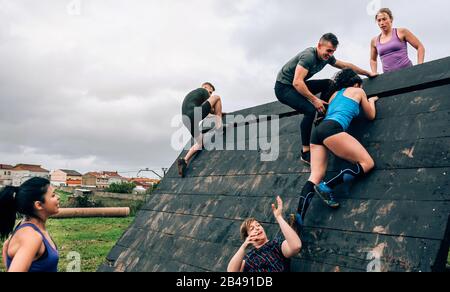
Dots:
(23, 172)
(6, 174)
(114, 177)
(64, 177)
(95, 179)
(103, 179)
(146, 183)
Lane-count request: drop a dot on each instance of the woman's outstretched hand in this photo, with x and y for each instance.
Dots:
(278, 210)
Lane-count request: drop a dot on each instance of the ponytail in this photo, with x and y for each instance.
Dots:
(20, 200)
(8, 211)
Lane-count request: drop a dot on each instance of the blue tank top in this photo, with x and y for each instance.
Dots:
(342, 110)
(48, 263)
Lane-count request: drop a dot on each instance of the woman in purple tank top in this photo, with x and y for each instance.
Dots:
(392, 45)
(29, 247)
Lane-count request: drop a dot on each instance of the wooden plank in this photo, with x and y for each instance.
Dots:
(413, 103)
(418, 126)
(429, 153)
(408, 104)
(325, 246)
(427, 73)
(272, 108)
(105, 268)
(178, 249)
(114, 254)
(208, 229)
(354, 215)
(414, 219)
(432, 125)
(160, 253)
(357, 250)
(158, 261)
(402, 184)
(306, 266)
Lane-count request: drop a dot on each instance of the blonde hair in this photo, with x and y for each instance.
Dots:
(385, 10)
(245, 227)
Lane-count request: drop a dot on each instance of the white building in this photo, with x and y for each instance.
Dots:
(65, 177)
(114, 177)
(23, 172)
(5, 175)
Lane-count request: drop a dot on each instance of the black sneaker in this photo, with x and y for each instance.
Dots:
(306, 157)
(182, 165)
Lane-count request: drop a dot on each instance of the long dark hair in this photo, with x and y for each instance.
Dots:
(20, 200)
(346, 78)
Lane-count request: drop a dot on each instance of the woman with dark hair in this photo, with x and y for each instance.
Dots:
(392, 45)
(29, 247)
(331, 135)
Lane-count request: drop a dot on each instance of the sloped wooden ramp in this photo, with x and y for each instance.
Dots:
(399, 214)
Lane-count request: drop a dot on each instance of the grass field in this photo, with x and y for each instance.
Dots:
(91, 238)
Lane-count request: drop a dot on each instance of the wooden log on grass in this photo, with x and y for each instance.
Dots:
(92, 212)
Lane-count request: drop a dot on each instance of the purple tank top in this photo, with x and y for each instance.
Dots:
(48, 263)
(394, 54)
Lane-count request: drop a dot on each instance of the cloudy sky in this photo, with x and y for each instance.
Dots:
(95, 84)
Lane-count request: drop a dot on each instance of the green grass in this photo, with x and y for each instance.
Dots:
(92, 238)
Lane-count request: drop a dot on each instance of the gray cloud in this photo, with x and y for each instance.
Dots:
(99, 90)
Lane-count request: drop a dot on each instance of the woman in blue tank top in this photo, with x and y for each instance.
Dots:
(331, 135)
(29, 247)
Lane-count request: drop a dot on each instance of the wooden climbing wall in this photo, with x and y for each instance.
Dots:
(396, 219)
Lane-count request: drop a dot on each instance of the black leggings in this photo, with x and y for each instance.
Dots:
(288, 95)
(191, 123)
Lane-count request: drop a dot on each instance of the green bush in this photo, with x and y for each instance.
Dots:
(64, 197)
(122, 188)
(83, 201)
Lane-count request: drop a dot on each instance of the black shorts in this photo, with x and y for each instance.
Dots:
(189, 119)
(325, 130)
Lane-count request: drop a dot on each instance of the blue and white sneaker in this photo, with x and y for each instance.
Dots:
(327, 195)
